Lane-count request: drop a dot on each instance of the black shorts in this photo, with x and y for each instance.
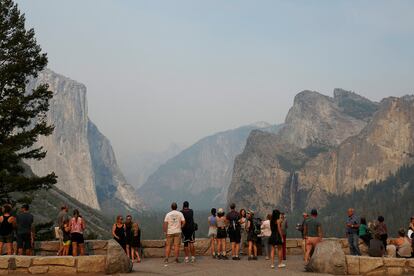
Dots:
(188, 237)
(77, 237)
(234, 235)
(221, 233)
(24, 241)
(6, 238)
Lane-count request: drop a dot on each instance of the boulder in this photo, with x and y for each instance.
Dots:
(116, 259)
(91, 264)
(328, 257)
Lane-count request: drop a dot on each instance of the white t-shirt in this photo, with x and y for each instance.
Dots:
(266, 230)
(174, 219)
(410, 232)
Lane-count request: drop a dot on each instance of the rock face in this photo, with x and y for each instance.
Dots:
(329, 146)
(77, 152)
(328, 257)
(111, 186)
(200, 174)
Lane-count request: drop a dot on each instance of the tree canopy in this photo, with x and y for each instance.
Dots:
(23, 114)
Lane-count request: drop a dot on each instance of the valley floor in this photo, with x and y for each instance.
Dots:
(209, 266)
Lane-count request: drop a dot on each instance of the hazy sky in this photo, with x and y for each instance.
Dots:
(175, 71)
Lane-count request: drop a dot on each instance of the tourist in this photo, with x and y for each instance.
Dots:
(118, 232)
(233, 218)
(65, 230)
(352, 229)
(128, 235)
(265, 234)
(136, 242)
(252, 236)
(7, 225)
(284, 231)
(212, 232)
(400, 247)
(243, 232)
(376, 247)
(61, 218)
(381, 228)
(173, 223)
(188, 232)
(221, 234)
(300, 227)
(276, 239)
(363, 231)
(77, 226)
(25, 231)
(313, 233)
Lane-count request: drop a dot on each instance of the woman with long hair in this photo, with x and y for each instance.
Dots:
(118, 232)
(136, 242)
(7, 225)
(128, 235)
(251, 237)
(276, 239)
(221, 234)
(243, 231)
(212, 232)
(77, 226)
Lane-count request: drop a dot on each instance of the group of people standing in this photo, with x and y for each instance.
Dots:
(240, 227)
(70, 232)
(16, 228)
(128, 234)
(375, 236)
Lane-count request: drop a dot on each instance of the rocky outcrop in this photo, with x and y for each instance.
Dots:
(77, 152)
(327, 147)
(67, 148)
(200, 174)
(111, 186)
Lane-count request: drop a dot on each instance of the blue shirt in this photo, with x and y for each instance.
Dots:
(352, 220)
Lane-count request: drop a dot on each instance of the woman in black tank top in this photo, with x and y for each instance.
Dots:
(7, 225)
(118, 232)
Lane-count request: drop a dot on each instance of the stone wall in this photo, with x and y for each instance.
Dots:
(370, 266)
(156, 248)
(104, 257)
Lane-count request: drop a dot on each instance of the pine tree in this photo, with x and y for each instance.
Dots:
(22, 113)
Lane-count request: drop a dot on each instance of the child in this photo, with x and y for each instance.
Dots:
(66, 237)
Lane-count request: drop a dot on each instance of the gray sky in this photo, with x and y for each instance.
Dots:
(175, 71)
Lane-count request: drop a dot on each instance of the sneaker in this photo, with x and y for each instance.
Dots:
(224, 257)
(166, 261)
(192, 259)
(255, 258)
(177, 261)
(272, 266)
(237, 258)
(186, 260)
(233, 258)
(281, 266)
(219, 257)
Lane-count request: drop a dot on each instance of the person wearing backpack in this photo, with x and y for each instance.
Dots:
(233, 218)
(188, 232)
(252, 231)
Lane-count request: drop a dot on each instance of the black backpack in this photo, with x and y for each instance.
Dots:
(257, 223)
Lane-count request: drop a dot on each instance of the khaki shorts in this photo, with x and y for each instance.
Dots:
(174, 239)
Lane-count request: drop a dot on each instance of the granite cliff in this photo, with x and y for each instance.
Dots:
(77, 152)
(201, 173)
(327, 146)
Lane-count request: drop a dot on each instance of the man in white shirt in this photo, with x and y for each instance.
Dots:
(173, 223)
